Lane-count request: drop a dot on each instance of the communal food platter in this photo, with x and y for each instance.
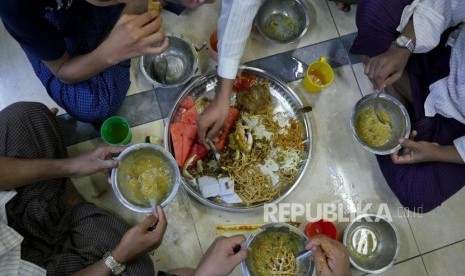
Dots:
(272, 158)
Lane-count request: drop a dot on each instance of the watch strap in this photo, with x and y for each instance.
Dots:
(116, 267)
(406, 43)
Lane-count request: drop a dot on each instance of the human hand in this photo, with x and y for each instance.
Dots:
(415, 151)
(135, 35)
(387, 68)
(329, 256)
(141, 238)
(211, 120)
(98, 160)
(191, 4)
(222, 256)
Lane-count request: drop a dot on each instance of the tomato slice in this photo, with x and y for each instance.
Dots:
(244, 81)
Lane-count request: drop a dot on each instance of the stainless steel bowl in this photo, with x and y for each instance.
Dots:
(179, 63)
(282, 21)
(373, 243)
(400, 122)
(296, 235)
(119, 176)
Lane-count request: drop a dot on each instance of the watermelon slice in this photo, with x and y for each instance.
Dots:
(188, 102)
(230, 121)
(190, 116)
(182, 136)
(200, 152)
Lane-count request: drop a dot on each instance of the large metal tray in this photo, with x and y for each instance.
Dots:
(284, 99)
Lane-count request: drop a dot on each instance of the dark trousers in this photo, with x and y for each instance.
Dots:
(420, 187)
(61, 241)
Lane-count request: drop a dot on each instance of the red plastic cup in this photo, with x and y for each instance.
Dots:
(321, 227)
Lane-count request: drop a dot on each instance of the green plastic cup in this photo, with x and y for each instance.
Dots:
(116, 131)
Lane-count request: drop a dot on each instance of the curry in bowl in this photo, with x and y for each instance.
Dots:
(145, 172)
(380, 134)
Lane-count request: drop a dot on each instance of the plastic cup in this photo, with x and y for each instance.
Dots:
(319, 75)
(321, 227)
(115, 131)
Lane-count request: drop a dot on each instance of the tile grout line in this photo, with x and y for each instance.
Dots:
(347, 53)
(442, 247)
(416, 244)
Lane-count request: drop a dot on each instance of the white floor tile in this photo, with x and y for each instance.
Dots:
(442, 226)
(364, 82)
(446, 261)
(412, 267)
(18, 81)
(345, 21)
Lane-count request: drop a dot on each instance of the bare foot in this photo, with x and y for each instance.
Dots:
(54, 110)
(343, 6)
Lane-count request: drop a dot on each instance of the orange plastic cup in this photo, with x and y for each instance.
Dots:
(321, 227)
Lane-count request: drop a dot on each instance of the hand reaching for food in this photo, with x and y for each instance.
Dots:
(212, 119)
(222, 256)
(142, 238)
(330, 257)
(386, 68)
(98, 160)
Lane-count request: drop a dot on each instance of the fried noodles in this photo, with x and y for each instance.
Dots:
(273, 254)
(272, 165)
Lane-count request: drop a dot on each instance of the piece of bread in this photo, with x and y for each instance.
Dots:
(154, 5)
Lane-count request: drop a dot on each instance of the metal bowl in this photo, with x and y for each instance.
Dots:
(172, 68)
(373, 243)
(282, 21)
(284, 100)
(296, 235)
(120, 177)
(400, 121)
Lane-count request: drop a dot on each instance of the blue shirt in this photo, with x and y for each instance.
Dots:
(25, 21)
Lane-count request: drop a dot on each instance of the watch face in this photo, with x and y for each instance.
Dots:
(402, 40)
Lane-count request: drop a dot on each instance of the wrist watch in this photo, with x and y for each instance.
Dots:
(115, 267)
(404, 42)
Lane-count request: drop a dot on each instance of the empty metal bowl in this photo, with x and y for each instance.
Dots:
(295, 235)
(373, 243)
(400, 121)
(172, 68)
(121, 176)
(282, 21)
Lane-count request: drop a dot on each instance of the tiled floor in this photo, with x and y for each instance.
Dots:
(432, 244)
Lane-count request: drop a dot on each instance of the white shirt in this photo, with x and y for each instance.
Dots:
(430, 19)
(234, 27)
(10, 246)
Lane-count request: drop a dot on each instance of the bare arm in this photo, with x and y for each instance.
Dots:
(421, 151)
(132, 36)
(137, 241)
(18, 172)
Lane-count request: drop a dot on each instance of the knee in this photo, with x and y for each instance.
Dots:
(94, 114)
(19, 111)
(418, 205)
(415, 197)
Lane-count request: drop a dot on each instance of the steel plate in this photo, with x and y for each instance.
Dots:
(284, 100)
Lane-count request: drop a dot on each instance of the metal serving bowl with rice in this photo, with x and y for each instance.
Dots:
(145, 171)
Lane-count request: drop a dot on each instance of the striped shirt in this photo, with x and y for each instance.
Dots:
(430, 19)
(10, 245)
(234, 28)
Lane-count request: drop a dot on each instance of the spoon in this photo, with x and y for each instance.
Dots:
(154, 204)
(216, 153)
(160, 67)
(302, 255)
(305, 109)
(377, 109)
